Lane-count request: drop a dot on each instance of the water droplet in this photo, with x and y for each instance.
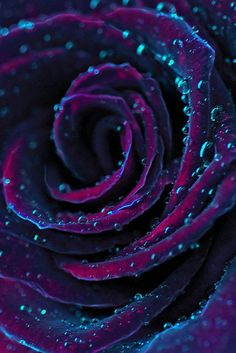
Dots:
(206, 146)
(198, 171)
(178, 43)
(4, 111)
(47, 37)
(118, 227)
(140, 49)
(187, 220)
(93, 4)
(143, 161)
(185, 129)
(179, 189)
(69, 45)
(102, 54)
(171, 62)
(184, 98)
(167, 230)
(167, 325)
(182, 86)
(166, 7)
(57, 108)
(153, 256)
(33, 145)
(23, 48)
(82, 220)
(125, 34)
(43, 311)
(217, 157)
(25, 24)
(118, 128)
(216, 113)
(90, 69)
(210, 192)
(64, 188)
(194, 246)
(4, 31)
(199, 85)
(187, 110)
(138, 296)
(36, 237)
(195, 9)
(6, 181)
(95, 224)
(230, 145)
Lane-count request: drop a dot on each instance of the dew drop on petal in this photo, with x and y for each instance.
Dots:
(205, 148)
(82, 220)
(187, 110)
(118, 227)
(178, 43)
(182, 86)
(6, 181)
(64, 188)
(179, 189)
(125, 34)
(93, 4)
(166, 7)
(140, 49)
(185, 129)
(47, 37)
(216, 113)
(43, 312)
(167, 325)
(23, 49)
(153, 256)
(4, 31)
(194, 246)
(24, 24)
(138, 296)
(69, 45)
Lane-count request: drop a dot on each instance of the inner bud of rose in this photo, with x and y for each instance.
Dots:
(123, 177)
(90, 136)
(100, 133)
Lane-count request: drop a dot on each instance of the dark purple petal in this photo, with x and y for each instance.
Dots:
(8, 344)
(118, 176)
(35, 267)
(94, 337)
(173, 245)
(211, 331)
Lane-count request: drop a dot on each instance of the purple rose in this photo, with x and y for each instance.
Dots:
(118, 170)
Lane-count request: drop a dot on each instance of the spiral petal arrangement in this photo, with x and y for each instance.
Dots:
(118, 167)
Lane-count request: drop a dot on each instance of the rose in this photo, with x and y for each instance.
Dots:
(126, 97)
(86, 265)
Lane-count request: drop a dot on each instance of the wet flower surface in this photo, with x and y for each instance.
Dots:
(118, 176)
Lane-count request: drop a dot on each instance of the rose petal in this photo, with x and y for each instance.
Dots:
(212, 330)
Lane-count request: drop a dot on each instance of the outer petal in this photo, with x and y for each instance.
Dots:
(212, 331)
